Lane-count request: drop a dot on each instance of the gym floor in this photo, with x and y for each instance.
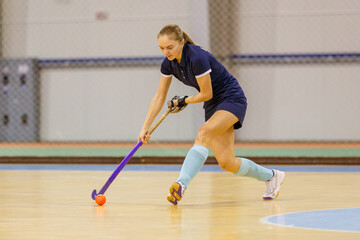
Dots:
(53, 202)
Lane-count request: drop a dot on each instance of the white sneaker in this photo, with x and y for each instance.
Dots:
(273, 185)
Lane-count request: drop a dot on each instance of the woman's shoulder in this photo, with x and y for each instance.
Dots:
(166, 67)
(166, 62)
(196, 52)
(195, 49)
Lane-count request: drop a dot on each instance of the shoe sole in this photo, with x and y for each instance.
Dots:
(269, 198)
(175, 193)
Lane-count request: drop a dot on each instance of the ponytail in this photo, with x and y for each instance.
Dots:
(187, 38)
(176, 33)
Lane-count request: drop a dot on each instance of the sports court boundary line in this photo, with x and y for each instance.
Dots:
(341, 226)
(175, 160)
(167, 168)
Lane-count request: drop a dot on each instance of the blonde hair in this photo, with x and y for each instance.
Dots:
(175, 31)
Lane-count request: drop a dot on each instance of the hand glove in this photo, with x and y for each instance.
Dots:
(177, 104)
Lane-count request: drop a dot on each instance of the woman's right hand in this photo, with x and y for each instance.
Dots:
(144, 136)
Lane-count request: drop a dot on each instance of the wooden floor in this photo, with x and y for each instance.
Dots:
(57, 205)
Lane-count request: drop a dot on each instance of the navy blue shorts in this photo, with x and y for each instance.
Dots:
(238, 108)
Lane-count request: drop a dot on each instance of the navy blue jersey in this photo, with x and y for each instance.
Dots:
(195, 63)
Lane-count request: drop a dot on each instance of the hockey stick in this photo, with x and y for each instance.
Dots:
(127, 158)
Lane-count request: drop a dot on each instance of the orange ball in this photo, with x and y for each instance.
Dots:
(100, 200)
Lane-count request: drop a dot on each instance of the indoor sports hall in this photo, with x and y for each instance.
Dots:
(77, 78)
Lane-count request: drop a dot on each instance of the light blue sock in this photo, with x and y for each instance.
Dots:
(193, 162)
(250, 169)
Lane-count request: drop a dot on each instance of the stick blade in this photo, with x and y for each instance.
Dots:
(94, 194)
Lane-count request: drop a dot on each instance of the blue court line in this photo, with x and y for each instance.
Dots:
(165, 168)
(346, 219)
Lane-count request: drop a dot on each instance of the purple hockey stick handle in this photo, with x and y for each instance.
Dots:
(117, 171)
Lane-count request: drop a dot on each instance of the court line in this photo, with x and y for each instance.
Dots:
(340, 220)
(164, 168)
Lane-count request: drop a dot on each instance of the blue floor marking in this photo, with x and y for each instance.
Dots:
(166, 168)
(346, 219)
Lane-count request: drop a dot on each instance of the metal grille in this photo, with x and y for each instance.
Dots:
(93, 67)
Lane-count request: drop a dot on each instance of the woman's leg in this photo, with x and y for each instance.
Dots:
(223, 148)
(215, 126)
(219, 123)
(196, 157)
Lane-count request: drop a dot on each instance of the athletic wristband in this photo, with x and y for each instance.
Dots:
(181, 101)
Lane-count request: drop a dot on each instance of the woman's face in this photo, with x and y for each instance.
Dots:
(170, 48)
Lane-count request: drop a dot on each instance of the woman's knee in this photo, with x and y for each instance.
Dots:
(224, 165)
(229, 164)
(204, 136)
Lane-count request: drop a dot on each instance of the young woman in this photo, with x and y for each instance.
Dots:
(224, 104)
